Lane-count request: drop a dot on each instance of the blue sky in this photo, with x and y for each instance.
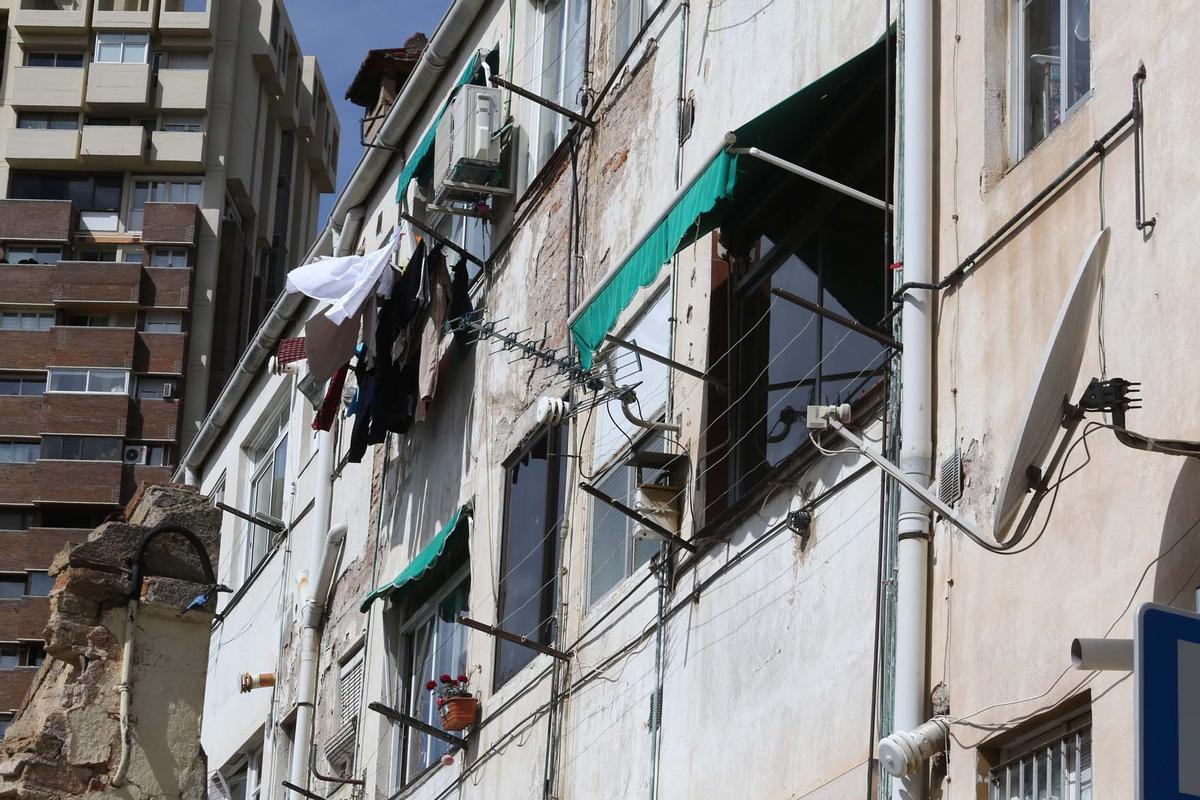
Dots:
(339, 33)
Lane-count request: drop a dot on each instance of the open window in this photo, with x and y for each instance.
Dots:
(1051, 66)
(536, 481)
(267, 455)
(800, 290)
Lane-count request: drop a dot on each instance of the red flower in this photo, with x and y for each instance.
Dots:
(444, 678)
(462, 678)
(431, 685)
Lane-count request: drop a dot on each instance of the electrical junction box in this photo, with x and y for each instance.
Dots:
(467, 163)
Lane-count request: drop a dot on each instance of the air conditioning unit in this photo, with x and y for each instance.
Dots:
(467, 163)
(135, 454)
(168, 391)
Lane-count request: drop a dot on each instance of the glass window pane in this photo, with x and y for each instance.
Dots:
(63, 381)
(422, 700)
(107, 381)
(10, 587)
(1043, 69)
(38, 584)
(278, 472)
(609, 535)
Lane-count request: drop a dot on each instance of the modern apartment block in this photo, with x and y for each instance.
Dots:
(161, 163)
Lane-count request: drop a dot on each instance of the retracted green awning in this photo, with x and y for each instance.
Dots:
(724, 183)
(420, 160)
(449, 539)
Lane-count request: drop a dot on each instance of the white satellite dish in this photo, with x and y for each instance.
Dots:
(1056, 382)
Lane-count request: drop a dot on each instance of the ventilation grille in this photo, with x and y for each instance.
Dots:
(950, 474)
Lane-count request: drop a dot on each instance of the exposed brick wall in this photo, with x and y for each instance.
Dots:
(93, 283)
(171, 223)
(24, 618)
(34, 549)
(21, 416)
(91, 347)
(25, 283)
(14, 683)
(45, 220)
(154, 419)
(18, 483)
(77, 482)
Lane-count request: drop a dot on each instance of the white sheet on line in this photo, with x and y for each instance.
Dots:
(346, 282)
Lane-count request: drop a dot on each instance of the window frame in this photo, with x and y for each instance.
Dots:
(64, 437)
(135, 216)
(35, 252)
(88, 372)
(1018, 110)
(57, 56)
(126, 41)
(411, 686)
(1071, 733)
(9, 448)
(262, 454)
(566, 54)
(49, 118)
(625, 30)
(554, 502)
(162, 321)
(43, 320)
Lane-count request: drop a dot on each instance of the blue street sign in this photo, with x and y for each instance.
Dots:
(1167, 670)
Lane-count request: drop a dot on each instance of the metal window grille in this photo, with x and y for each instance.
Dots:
(1060, 769)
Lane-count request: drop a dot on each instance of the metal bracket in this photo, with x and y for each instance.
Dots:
(653, 527)
(509, 636)
(302, 792)
(432, 234)
(541, 101)
(270, 523)
(418, 725)
(661, 359)
(815, 177)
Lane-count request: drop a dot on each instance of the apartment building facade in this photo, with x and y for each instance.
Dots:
(673, 584)
(158, 160)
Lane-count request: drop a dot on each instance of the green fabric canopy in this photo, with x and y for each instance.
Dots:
(420, 160)
(446, 540)
(724, 184)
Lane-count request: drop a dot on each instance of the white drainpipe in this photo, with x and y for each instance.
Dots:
(916, 375)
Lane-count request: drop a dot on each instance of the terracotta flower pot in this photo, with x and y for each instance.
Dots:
(458, 713)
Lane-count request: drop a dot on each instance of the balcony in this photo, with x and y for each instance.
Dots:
(266, 61)
(77, 482)
(51, 16)
(91, 347)
(111, 85)
(112, 146)
(20, 416)
(37, 220)
(154, 419)
(76, 282)
(29, 147)
(46, 87)
(182, 89)
(100, 415)
(186, 17)
(173, 150)
(160, 353)
(123, 15)
(18, 483)
(171, 223)
(24, 350)
(167, 287)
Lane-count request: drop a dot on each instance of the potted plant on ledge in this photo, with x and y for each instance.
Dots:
(457, 707)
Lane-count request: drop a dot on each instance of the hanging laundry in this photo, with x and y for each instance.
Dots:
(289, 351)
(323, 420)
(438, 282)
(330, 346)
(347, 282)
(460, 295)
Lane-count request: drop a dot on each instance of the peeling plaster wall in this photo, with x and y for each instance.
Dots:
(1002, 625)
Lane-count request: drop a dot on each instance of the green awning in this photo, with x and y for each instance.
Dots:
(725, 182)
(420, 160)
(448, 540)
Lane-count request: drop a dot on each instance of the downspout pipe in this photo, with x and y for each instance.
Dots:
(311, 616)
(916, 375)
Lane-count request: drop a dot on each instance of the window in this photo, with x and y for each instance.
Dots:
(26, 320)
(41, 120)
(132, 255)
(6, 719)
(169, 257)
(18, 452)
(12, 587)
(181, 60)
(182, 123)
(269, 458)
(564, 60)
(81, 448)
(22, 654)
(115, 320)
(163, 322)
(185, 5)
(244, 780)
(62, 60)
(32, 254)
(98, 255)
(147, 455)
(615, 551)
(151, 388)
(10, 652)
(98, 197)
(536, 484)
(71, 516)
(15, 518)
(1052, 60)
(179, 190)
(1055, 761)
(628, 18)
(38, 583)
(433, 644)
(90, 381)
(339, 747)
(122, 48)
(22, 385)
